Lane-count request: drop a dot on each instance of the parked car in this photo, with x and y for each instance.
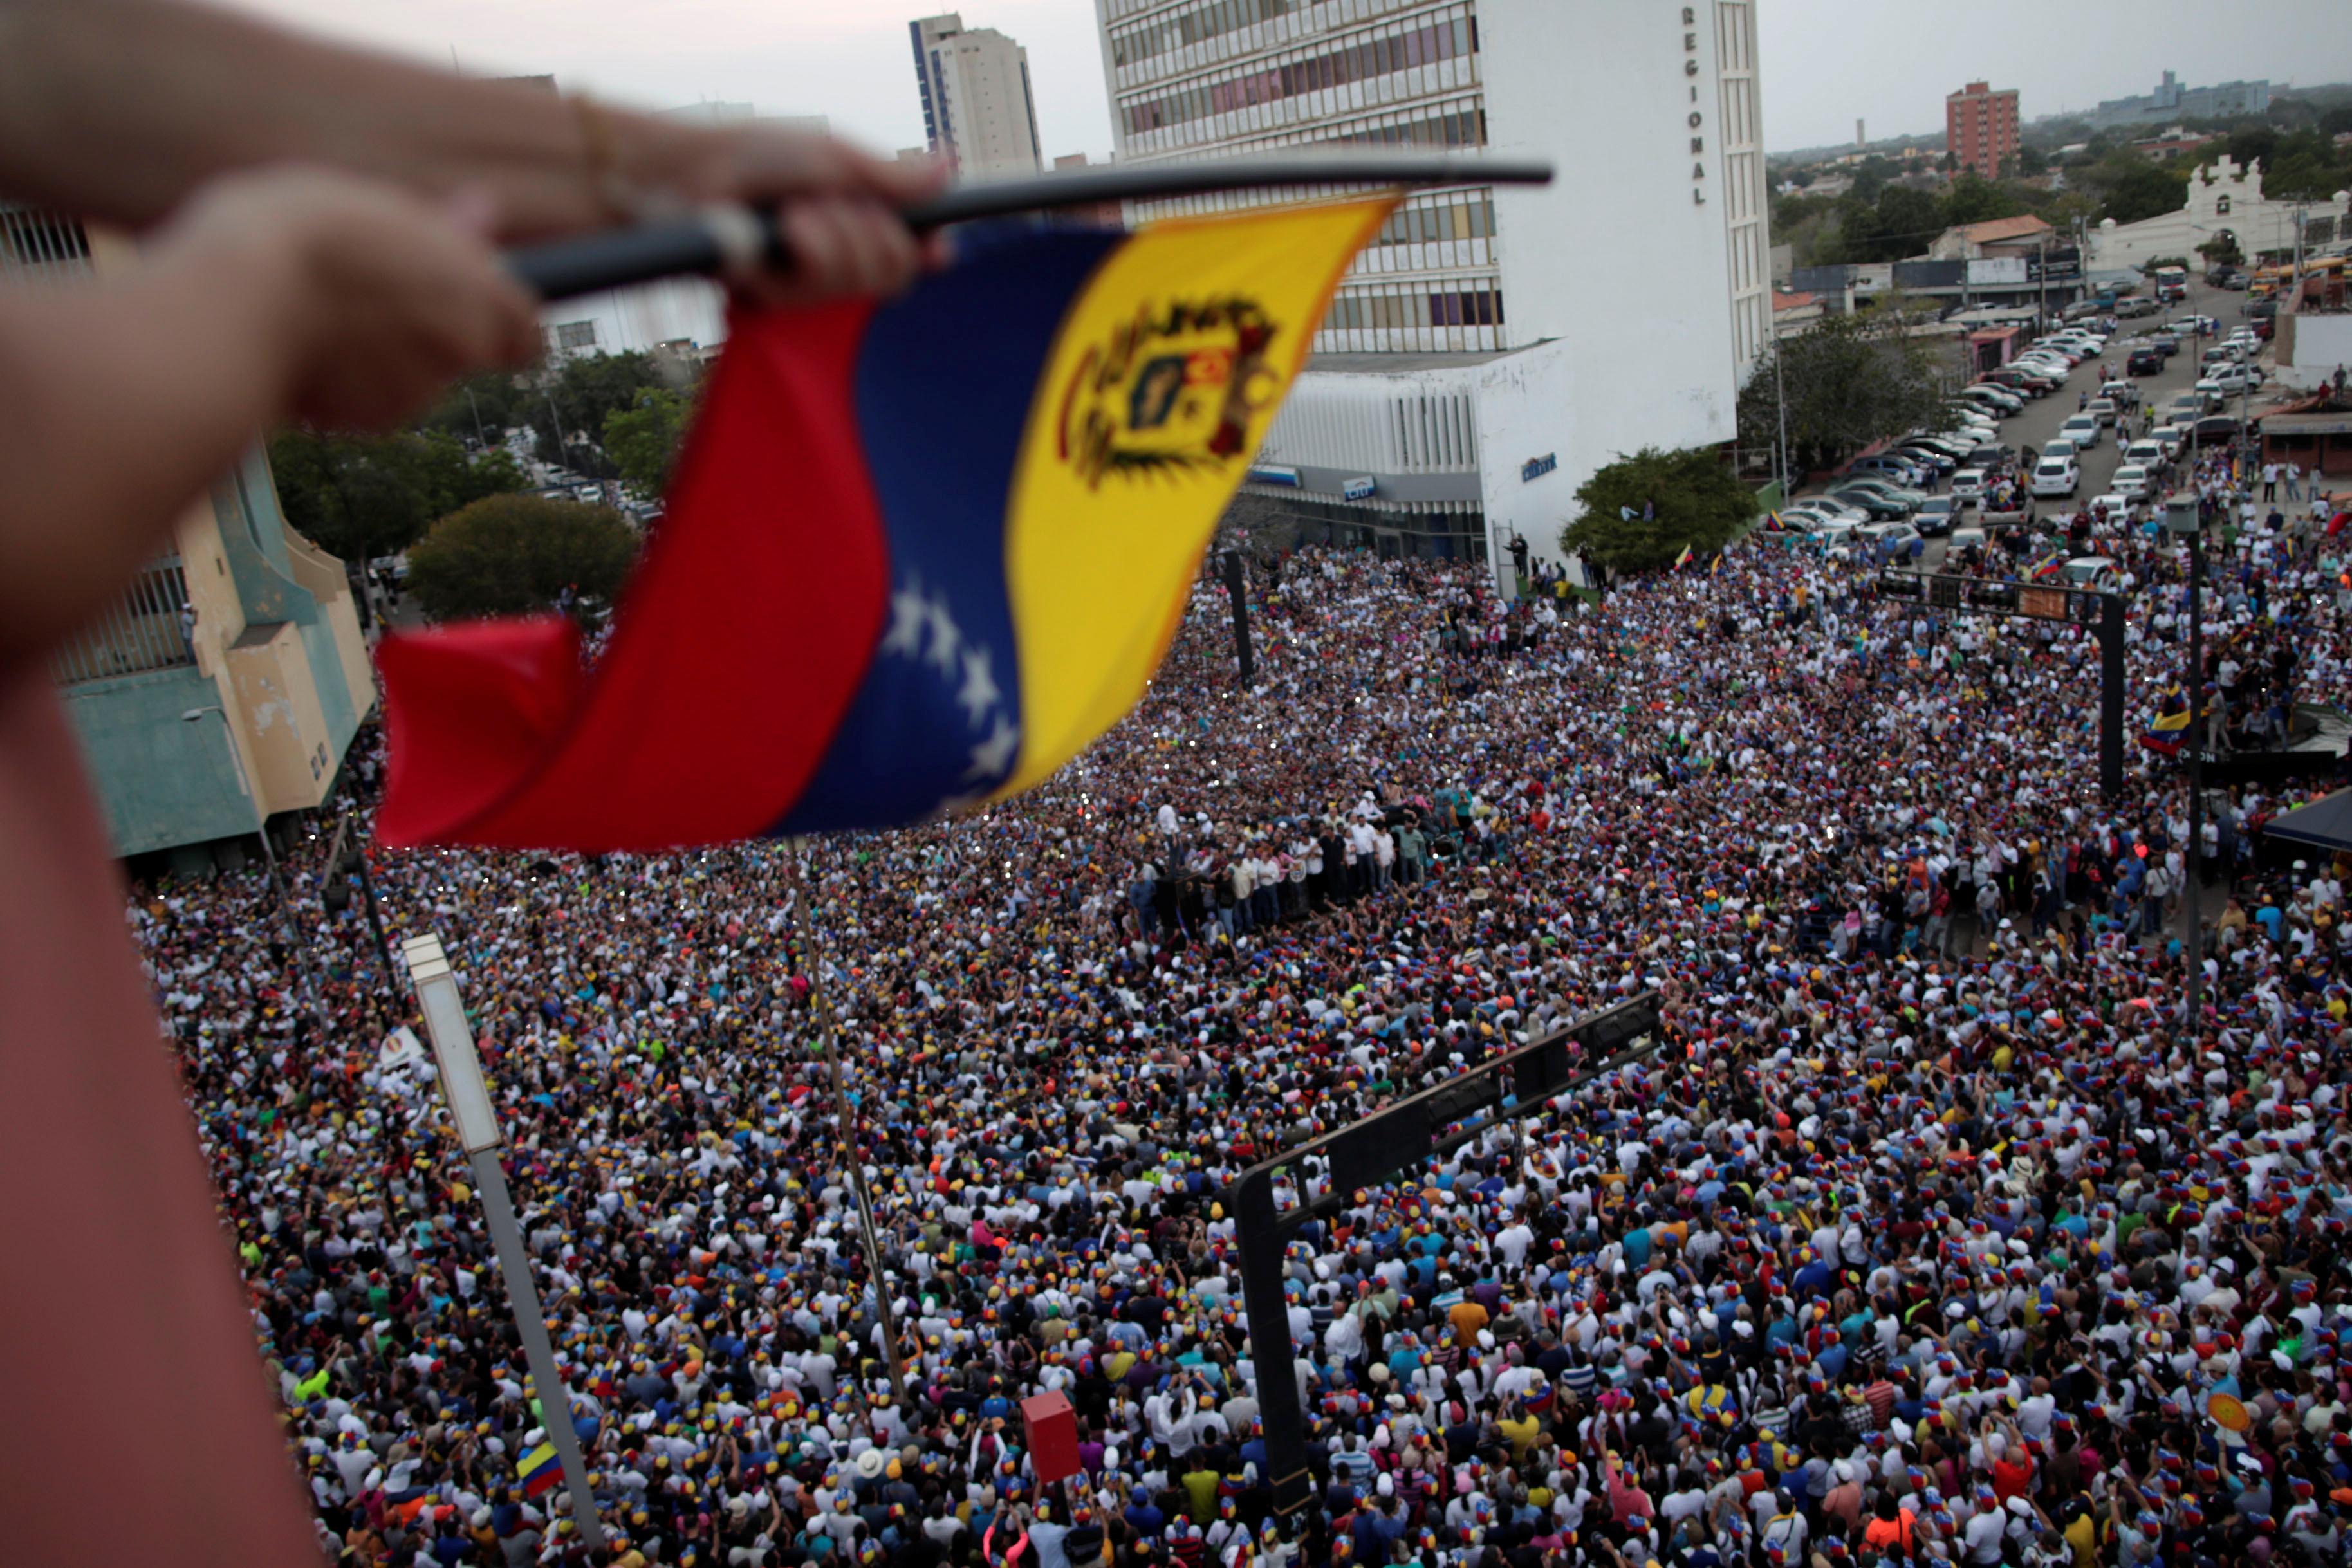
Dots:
(1963, 540)
(2101, 409)
(2165, 343)
(2171, 438)
(1886, 466)
(1897, 537)
(2136, 306)
(2133, 482)
(2126, 393)
(2215, 430)
(1998, 397)
(1881, 508)
(2145, 363)
(2148, 453)
(2192, 325)
(2194, 403)
(2056, 476)
(1968, 486)
(2062, 446)
(2233, 380)
(2082, 430)
(2092, 571)
(1936, 515)
(1939, 461)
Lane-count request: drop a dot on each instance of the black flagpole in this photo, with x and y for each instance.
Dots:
(711, 241)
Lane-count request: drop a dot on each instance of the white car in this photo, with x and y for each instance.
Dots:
(2056, 476)
(2096, 572)
(2059, 446)
(2133, 481)
(2233, 380)
(2115, 504)
(2146, 455)
(2082, 430)
(2102, 408)
(1968, 486)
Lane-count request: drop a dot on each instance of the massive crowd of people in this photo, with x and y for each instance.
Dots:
(1932, 1231)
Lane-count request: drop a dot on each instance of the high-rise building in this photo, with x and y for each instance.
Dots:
(978, 111)
(1494, 345)
(1980, 130)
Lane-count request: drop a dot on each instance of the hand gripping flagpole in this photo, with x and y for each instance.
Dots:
(734, 239)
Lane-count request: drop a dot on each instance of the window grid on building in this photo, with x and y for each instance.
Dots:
(140, 631)
(1371, 56)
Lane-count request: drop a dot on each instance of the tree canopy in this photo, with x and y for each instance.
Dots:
(1848, 381)
(360, 496)
(2144, 191)
(643, 439)
(1675, 499)
(508, 555)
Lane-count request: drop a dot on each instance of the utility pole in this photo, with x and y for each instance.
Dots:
(474, 1117)
(1237, 591)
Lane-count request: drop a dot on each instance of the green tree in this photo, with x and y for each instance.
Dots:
(2222, 249)
(1973, 199)
(507, 555)
(587, 390)
(360, 496)
(481, 408)
(1847, 381)
(2252, 144)
(643, 439)
(2145, 191)
(1676, 500)
(2033, 161)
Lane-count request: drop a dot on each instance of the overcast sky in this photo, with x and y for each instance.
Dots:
(1825, 62)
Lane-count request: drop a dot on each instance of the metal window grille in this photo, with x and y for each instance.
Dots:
(140, 630)
(38, 244)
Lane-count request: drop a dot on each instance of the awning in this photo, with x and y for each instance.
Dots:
(2327, 823)
(2307, 425)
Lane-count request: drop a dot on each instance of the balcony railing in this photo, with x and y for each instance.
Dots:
(144, 629)
(34, 244)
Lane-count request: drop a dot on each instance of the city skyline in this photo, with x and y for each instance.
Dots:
(848, 60)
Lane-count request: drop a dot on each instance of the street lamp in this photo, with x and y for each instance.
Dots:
(477, 1123)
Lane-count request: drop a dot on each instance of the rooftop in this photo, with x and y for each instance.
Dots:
(1379, 365)
(1997, 229)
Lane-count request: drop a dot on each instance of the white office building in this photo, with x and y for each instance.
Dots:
(1498, 344)
(978, 111)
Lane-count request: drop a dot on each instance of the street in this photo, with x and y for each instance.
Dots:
(2041, 418)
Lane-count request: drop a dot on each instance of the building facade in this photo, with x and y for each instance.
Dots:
(978, 111)
(223, 686)
(2225, 198)
(2172, 101)
(1494, 345)
(1980, 130)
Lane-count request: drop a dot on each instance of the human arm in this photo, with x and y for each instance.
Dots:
(278, 296)
(117, 109)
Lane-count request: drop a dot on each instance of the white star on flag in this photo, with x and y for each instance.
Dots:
(908, 610)
(980, 693)
(946, 640)
(994, 755)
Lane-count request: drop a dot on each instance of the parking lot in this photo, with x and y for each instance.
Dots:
(2039, 422)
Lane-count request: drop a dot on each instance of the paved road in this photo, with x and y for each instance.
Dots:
(2041, 419)
(2037, 422)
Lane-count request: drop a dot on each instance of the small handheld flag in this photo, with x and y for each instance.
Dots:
(1683, 559)
(918, 554)
(539, 1470)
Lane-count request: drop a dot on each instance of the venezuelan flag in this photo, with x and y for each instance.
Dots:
(917, 554)
(538, 1471)
(2167, 733)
